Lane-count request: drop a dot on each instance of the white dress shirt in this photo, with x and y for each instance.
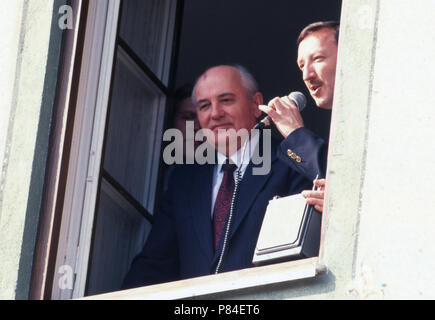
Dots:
(236, 158)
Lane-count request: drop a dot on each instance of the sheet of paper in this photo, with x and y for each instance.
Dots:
(281, 222)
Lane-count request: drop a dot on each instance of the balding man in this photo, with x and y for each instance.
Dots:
(199, 229)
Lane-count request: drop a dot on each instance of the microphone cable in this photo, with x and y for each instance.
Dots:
(237, 182)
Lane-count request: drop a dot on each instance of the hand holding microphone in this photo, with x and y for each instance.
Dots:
(285, 112)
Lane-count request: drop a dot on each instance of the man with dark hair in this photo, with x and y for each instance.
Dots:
(183, 117)
(184, 111)
(317, 59)
(316, 26)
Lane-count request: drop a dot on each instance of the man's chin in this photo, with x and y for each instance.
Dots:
(228, 142)
(325, 105)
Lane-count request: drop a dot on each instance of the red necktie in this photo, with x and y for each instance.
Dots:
(223, 202)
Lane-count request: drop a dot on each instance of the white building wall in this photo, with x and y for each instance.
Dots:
(10, 19)
(24, 47)
(395, 255)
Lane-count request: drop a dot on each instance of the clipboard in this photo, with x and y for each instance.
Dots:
(290, 231)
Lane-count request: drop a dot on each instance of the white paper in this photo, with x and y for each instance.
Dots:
(281, 222)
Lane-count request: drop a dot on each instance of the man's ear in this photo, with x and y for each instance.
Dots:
(257, 99)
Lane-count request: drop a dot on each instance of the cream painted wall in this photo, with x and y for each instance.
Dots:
(395, 256)
(10, 19)
(23, 64)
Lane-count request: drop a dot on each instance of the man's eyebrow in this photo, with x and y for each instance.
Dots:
(222, 95)
(310, 55)
(202, 100)
(225, 94)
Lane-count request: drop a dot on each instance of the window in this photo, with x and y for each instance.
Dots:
(113, 175)
(115, 153)
(206, 41)
(135, 124)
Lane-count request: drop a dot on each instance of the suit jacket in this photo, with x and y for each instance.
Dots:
(305, 152)
(180, 244)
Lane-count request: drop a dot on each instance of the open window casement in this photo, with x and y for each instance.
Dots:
(126, 67)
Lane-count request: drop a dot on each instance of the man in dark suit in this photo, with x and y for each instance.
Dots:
(189, 231)
(317, 59)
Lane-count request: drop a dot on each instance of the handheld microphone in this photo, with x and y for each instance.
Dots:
(297, 97)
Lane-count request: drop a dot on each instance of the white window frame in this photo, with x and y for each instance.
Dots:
(86, 149)
(84, 167)
(223, 282)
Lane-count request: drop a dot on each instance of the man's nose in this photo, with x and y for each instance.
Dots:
(216, 111)
(308, 73)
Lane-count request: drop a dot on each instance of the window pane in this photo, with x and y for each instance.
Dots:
(134, 133)
(119, 235)
(146, 27)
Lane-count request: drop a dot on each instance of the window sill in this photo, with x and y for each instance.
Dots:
(229, 281)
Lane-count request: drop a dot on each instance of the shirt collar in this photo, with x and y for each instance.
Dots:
(236, 157)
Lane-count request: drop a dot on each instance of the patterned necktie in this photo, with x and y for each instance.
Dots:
(223, 202)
